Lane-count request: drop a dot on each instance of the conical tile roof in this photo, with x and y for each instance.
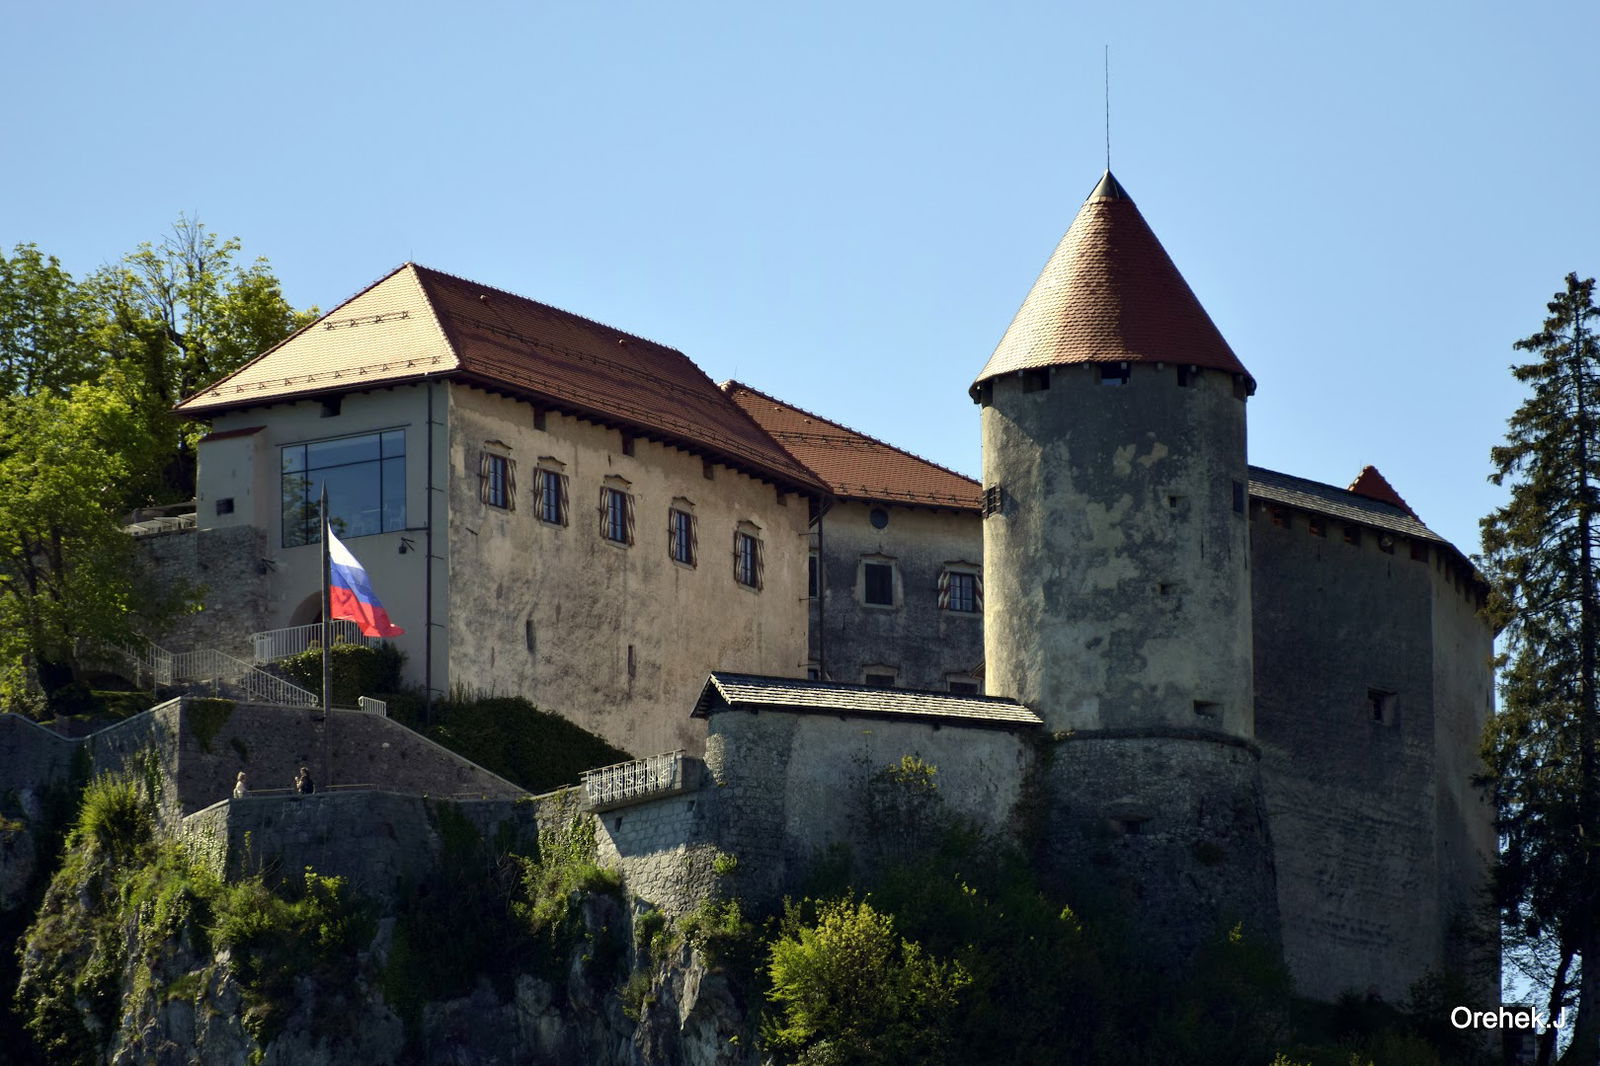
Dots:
(1375, 486)
(1110, 293)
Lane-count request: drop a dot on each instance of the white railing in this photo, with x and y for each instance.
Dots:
(270, 645)
(372, 706)
(625, 782)
(228, 676)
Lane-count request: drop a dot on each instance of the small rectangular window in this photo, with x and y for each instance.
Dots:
(1187, 376)
(225, 505)
(495, 486)
(811, 576)
(1207, 709)
(1113, 373)
(1419, 551)
(616, 516)
(1036, 379)
(551, 485)
(993, 500)
(1280, 517)
(962, 687)
(747, 560)
(960, 591)
(877, 584)
(1381, 704)
(879, 679)
(1238, 497)
(1352, 535)
(1316, 525)
(681, 546)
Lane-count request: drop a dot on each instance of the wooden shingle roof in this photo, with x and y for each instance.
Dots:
(1110, 293)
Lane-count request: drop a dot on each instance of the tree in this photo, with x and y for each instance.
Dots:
(1540, 555)
(67, 572)
(46, 327)
(173, 317)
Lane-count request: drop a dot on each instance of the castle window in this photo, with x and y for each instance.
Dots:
(961, 591)
(961, 684)
(1036, 379)
(366, 481)
(550, 486)
(1419, 551)
(1238, 497)
(1207, 709)
(1352, 535)
(747, 564)
(497, 484)
(1280, 517)
(1317, 526)
(1382, 705)
(627, 444)
(993, 500)
(879, 518)
(682, 538)
(1187, 376)
(616, 515)
(812, 586)
(708, 469)
(1113, 374)
(877, 584)
(225, 505)
(879, 676)
(332, 406)
(1130, 825)
(538, 418)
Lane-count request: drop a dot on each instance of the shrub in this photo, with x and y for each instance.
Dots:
(358, 670)
(114, 817)
(507, 735)
(851, 991)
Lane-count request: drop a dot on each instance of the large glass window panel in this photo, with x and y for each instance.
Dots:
(366, 481)
(326, 453)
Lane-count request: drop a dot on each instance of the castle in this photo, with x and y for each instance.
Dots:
(1243, 694)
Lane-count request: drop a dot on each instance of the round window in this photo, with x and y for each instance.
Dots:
(879, 518)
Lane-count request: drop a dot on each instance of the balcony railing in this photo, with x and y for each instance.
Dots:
(270, 645)
(630, 782)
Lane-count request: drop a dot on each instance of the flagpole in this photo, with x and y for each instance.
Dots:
(327, 611)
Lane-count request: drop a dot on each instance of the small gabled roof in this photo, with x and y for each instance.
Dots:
(1110, 294)
(854, 465)
(1335, 502)
(417, 323)
(1373, 485)
(753, 692)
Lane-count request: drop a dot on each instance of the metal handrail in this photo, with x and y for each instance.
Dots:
(270, 645)
(622, 782)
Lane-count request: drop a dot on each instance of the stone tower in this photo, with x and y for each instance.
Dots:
(1116, 564)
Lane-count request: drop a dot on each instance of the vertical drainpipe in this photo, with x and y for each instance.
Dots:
(427, 580)
(822, 595)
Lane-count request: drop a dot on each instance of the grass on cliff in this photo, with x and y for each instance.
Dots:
(130, 912)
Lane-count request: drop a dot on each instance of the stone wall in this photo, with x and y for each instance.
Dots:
(1169, 830)
(788, 788)
(227, 566)
(925, 647)
(1352, 790)
(662, 850)
(379, 841)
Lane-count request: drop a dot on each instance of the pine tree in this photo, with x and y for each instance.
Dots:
(1540, 555)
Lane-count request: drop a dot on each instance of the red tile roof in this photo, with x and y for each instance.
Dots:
(854, 465)
(1110, 293)
(417, 322)
(1375, 486)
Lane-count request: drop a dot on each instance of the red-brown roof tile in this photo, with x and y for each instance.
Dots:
(1110, 293)
(1375, 486)
(417, 322)
(854, 465)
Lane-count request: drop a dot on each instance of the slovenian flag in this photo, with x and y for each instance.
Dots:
(350, 594)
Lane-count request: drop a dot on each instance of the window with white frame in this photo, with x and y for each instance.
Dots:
(550, 489)
(682, 535)
(960, 590)
(497, 479)
(616, 513)
(747, 565)
(880, 676)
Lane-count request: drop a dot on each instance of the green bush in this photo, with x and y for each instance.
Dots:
(114, 817)
(507, 735)
(852, 991)
(358, 670)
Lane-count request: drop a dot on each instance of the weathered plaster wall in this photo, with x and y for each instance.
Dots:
(617, 638)
(248, 470)
(1170, 829)
(1117, 573)
(923, 644)
(1353, 801)
(785, 788)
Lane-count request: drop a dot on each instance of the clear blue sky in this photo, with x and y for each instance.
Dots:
(844, 203)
